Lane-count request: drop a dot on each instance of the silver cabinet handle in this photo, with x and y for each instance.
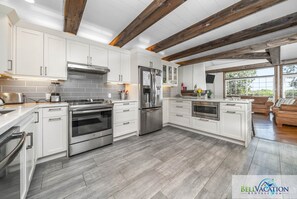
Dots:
(126, 123)
(230, 104)
(54, 119)
(179, 101)
(127, 110)
(126, 104)
(179, 115)
(31, 140)
(179, 106)
(91, 60)
(37, 115)
(231, 112)
(9, 65)
(54, 109)
(45, 71)
(88, 62)
(41, 70)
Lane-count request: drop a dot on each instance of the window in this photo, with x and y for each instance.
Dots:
(256, 82)
(290, 81)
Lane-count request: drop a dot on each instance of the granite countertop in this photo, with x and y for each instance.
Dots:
(222, 100)
(20, 112)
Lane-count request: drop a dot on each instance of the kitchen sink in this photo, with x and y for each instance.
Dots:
(3, 112)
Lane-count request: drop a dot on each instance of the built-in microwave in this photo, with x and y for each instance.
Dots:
(203, 109)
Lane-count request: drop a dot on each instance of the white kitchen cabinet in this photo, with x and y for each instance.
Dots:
(78, 52)
(55, 57)
(232, 124)
(165, 108)
(186, 76)
(98, 56)
(206, 125)
(119, 65)
(29, 52)
(170, 73)
(6, 40)
(124, 119)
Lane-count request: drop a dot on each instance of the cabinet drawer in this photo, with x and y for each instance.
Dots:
(206, 125)
(124, 115)
(232, 106)
(180, 103)
(180, 109)
(124, 128)
(125, 105)
(180, 119)
(54, 111)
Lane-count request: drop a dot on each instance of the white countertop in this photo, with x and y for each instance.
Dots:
(21, 111)
(223, 100)
(120, 101)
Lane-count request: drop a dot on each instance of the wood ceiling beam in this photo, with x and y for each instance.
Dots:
(234, 12)
(274, 55)
(256, 31)
(280, 41)
(240, 68)
(260, 55)
(73, 12)
(153, 13)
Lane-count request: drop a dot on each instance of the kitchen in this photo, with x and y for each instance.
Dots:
(81, 118)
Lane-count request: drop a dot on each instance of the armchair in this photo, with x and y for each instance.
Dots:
(286, 114)
(260, 104)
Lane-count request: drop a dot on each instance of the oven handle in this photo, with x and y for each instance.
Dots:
(11, 156)
(92, 111)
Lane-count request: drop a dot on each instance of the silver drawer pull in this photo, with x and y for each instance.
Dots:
(127, 110)
(126, 123)
(54, 109)
(54, 119)
(179, 115)
(204, 120)
(179, 101)
(179, 106)
(230, 104)
(31, 141)
(231, 112)
(126, 104)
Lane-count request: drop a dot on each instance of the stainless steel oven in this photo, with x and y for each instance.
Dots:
(209, 110)
(89, 128)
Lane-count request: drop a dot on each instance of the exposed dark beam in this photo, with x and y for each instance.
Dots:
(153, 13)
(260, 55)
(239, 68)
(256, 31)
(234, 12)
(280, 41)
(274, 55)
(289, 61)
(73, 12)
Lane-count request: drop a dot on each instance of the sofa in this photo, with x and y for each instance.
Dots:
(260, 104)
(285, 112)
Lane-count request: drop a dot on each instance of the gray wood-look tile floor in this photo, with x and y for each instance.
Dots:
(170, 163)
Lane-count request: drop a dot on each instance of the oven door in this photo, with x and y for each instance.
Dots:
(90, 124)
(206, 110)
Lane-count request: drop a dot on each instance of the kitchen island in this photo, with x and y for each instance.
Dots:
(226, 119)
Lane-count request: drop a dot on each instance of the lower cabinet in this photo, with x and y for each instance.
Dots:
(54, 135)
(232, 124)
(165, 108)
(206, 125)
(180, 119)
(124, 119)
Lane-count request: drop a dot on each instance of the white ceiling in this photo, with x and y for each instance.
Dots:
(103, 20)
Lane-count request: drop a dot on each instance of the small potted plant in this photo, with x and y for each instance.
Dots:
(199, 91)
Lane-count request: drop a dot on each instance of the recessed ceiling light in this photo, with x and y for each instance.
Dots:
(30, 1)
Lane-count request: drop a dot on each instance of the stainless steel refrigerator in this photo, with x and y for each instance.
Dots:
(150, 99)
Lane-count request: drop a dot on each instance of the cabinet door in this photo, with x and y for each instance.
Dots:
(54, 135)
(175, 76)
(98, 56)
(114, 64)
(125, 67)
(6, 35)
(170, 74)
(55, 57)
(165, 111)
(29, 52)
(232, 124)
(164, 69)
(77, 52)
(188, 77)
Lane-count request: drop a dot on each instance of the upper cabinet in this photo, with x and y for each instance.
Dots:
(119, 65)
(29, 52)
(82, 53)
(54, 56)
(186, 76)
(40, 55)
(170, 73)
(6, 40)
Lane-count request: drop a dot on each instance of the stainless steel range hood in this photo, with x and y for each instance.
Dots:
(87, 68)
